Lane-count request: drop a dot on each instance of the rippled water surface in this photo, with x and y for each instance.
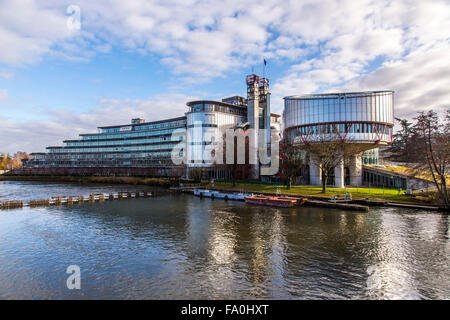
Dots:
(182, 247)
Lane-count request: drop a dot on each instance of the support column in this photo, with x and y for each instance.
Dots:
(315, 172)
(253, 119)
(188, 171)
(339, 174)
(355, 167)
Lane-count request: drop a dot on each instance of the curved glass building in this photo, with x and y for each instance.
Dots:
(357, 116)
(363, 120)
(206, 118)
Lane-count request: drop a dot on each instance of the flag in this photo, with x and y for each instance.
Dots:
(265, 62)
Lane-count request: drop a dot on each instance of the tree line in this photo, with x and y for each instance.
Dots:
(424, 144)
(8, 162)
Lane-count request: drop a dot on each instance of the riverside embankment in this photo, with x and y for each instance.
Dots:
(372, 197)
(156, 182)
(363, 196)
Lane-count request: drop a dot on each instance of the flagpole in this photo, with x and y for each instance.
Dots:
(264, 68)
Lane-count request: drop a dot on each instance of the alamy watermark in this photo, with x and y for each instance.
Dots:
(205, 144)
(74, 280)
(74, 20)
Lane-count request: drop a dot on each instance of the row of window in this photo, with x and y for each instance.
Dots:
(161, 125)
(135, 155)
(124, 135)
(342, 128)
(208, 107)
(146, 126)
(112, 149)
(123, 142)
(204, 143)
(202, 125)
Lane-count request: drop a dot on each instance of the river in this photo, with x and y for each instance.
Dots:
(182, 247)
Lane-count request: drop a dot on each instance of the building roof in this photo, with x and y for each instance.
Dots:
(225, 104)
(336, 94)
(144, 123)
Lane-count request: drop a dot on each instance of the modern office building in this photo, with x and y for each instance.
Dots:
(138, 144)
(212, 118)
(361, 120)
(146, 148)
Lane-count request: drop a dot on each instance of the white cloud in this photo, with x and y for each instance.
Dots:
(3, 94)
(195, 38)
(28, 31)
(401, 45)
(62, 124)
(330, 45)
(421, 80)
(6, 74)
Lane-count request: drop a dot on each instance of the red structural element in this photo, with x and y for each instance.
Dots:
(251, 79)
(242, 172)
(264, 81)
(341, 135)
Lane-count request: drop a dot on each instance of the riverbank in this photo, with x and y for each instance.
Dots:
(157, 182)
(365, 196)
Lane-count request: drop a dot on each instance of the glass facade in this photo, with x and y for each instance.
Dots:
(206, 121)
(377, 106)
(370, 157)
(357, 116)
(212, 106)
(138, 144)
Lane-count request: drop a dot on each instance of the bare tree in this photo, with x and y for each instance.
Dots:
(328, 150)
(431, 149)
(293, 162)
(326, 154)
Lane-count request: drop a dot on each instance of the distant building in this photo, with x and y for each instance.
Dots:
(138, 144)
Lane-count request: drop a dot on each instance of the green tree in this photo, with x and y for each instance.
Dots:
(401, 140)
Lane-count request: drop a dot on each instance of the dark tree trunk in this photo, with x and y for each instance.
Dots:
(324, 184)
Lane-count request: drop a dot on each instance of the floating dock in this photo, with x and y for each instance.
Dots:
(271, 201)
(337, 205)
(66, 200)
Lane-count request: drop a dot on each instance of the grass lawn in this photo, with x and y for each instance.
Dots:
(357, 193)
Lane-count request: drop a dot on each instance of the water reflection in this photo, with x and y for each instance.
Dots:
(178, 246)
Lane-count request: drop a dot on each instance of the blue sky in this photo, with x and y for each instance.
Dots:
(148, 58)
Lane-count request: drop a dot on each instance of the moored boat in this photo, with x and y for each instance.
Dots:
(221, 195)
(255, 199)
(298, 201)
(271, 201)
